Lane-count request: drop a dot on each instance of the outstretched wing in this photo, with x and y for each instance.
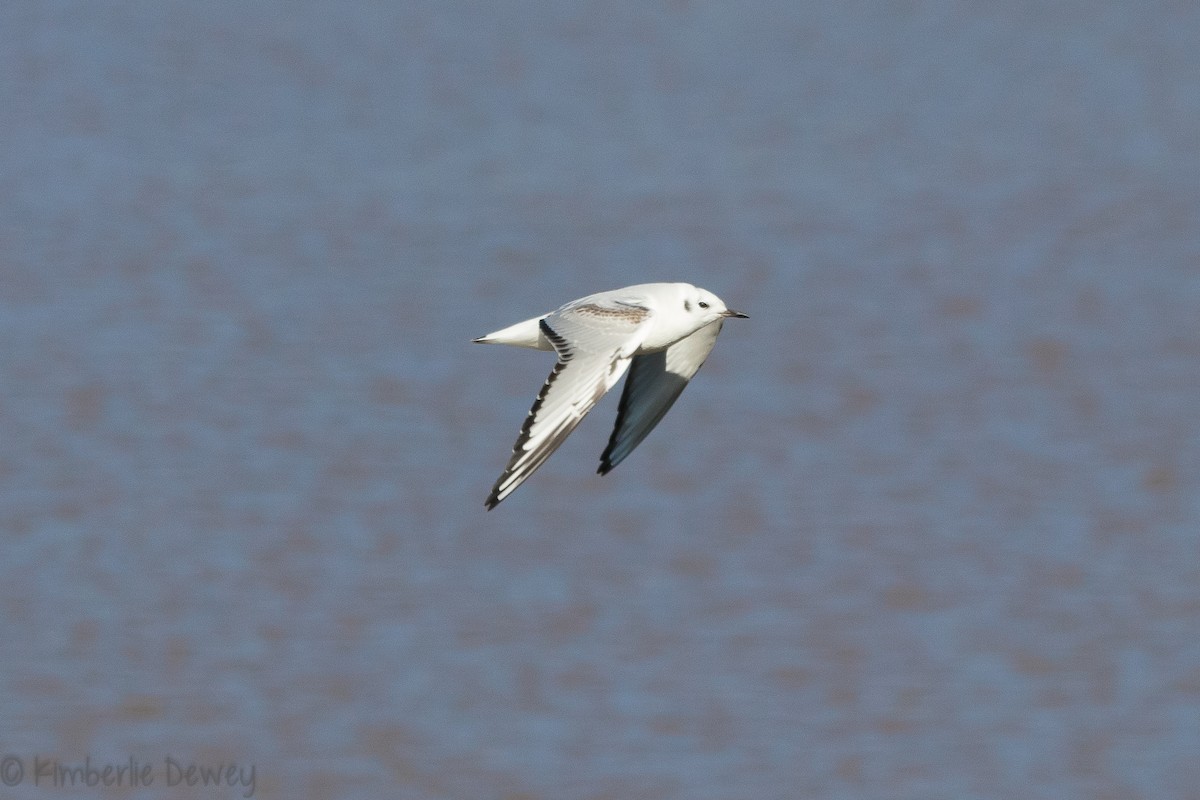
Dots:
(655, 381)
(594, 342)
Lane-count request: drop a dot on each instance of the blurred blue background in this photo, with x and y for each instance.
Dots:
(924, 528)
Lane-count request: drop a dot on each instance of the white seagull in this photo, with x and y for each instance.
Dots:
(660, 332)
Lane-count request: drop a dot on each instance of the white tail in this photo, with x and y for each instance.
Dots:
(523, 334)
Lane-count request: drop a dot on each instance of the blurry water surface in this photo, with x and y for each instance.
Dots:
(925, 527)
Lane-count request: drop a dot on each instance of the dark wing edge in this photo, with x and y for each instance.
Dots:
(511, 478)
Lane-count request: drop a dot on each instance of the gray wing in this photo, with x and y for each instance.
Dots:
(655, 381)
(594, 343)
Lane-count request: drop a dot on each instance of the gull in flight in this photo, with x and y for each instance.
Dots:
(660, 332)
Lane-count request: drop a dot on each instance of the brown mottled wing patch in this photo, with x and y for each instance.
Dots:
(594, 351)
(634, 315)
(654, 384)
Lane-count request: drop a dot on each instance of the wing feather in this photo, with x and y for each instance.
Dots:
(594, 343)
(654, 384)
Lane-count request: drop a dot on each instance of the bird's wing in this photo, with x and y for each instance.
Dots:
(654, 383)
(594, 342)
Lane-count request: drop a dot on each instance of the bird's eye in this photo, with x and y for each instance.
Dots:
(703, 304)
